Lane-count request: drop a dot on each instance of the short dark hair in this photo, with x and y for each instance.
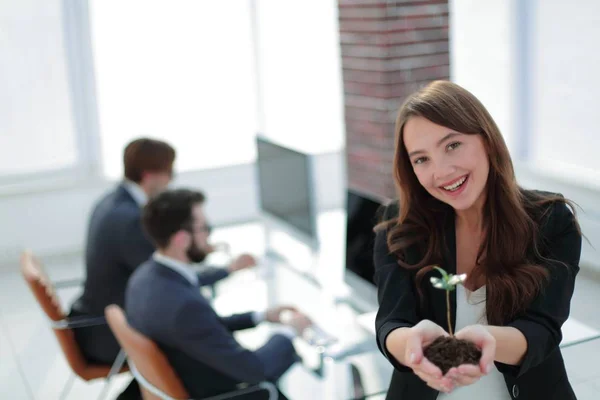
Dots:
(169, 212)
(147, 155)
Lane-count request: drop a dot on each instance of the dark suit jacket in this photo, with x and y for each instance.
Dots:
(542, 373)
(167, 308)
(116, 245)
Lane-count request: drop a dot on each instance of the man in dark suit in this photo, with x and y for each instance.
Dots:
(117, 244)
(162, 301)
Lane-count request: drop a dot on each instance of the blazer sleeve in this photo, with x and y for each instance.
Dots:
(398, 301)
(136, 247)
(201, 335)
(542, 321)
(210, 275)
(238, 322)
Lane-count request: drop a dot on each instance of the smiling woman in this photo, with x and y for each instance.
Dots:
(446, 164)
(460, 207)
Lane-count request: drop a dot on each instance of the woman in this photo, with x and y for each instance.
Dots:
(460, 207)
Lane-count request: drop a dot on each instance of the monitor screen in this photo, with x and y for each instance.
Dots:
(284, 184)
(363, 213)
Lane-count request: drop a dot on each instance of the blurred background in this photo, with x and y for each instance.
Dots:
(79, 79)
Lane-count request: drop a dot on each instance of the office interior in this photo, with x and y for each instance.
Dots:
(282, 114)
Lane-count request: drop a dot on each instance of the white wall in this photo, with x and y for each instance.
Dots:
(529, 63)
(53, 222)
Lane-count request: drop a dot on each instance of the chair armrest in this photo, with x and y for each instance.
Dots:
(78, 322)
(68, 283)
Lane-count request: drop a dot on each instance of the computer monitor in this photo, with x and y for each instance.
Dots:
(287, 196)
(363, 212)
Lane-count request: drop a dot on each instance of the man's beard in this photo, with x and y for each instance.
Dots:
(196, 254)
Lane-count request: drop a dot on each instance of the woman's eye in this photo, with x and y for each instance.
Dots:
(420, 160)
(453, 145)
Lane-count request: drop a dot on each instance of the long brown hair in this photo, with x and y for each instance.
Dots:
(511, 216)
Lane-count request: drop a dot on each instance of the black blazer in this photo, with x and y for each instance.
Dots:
(542, 373)
(163, 305)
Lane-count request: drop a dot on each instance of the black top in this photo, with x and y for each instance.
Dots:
(542, 373)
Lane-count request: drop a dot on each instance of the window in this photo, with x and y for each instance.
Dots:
(300, 74)
(564, 90)
(37, 126)
(180, 71)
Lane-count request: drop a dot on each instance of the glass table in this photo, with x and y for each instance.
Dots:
(325, 373)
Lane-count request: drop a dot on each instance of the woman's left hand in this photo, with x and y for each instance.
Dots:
(468, 374)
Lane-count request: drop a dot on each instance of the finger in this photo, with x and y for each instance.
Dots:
(430, 380)
(439, 388)
(469, 370)
(452, 373)
(488, 353)
(463, 380)
(414, 350)
(441, 385)
(430, 368)
(436, 383)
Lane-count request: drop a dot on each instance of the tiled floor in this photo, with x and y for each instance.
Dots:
(32, 367)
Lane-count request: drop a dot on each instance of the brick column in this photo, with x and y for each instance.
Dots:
(389, 49)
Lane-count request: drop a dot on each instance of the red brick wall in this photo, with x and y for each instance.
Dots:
(389, 49)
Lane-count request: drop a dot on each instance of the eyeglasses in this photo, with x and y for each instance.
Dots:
(204, 228)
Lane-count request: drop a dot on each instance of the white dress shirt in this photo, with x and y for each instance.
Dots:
(136, 192)
(182, 268)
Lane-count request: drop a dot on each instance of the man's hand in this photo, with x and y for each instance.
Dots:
(290, 316)
(242, 262)
(280, 313)
(299, 322)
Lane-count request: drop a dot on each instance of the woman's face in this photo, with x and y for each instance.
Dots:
(452, 166)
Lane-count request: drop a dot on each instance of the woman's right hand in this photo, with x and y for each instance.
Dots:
(415, 339)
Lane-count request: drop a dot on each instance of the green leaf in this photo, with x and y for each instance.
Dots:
(456, 279)
(444, 273)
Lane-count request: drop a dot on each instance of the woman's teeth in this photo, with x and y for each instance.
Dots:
(456, 184)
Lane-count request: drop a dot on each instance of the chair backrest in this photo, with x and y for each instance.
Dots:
(148, 359)
(44, 293)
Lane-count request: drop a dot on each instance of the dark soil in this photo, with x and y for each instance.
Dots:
(448, 352)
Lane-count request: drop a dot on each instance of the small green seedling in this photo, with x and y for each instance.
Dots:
(448, 283)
